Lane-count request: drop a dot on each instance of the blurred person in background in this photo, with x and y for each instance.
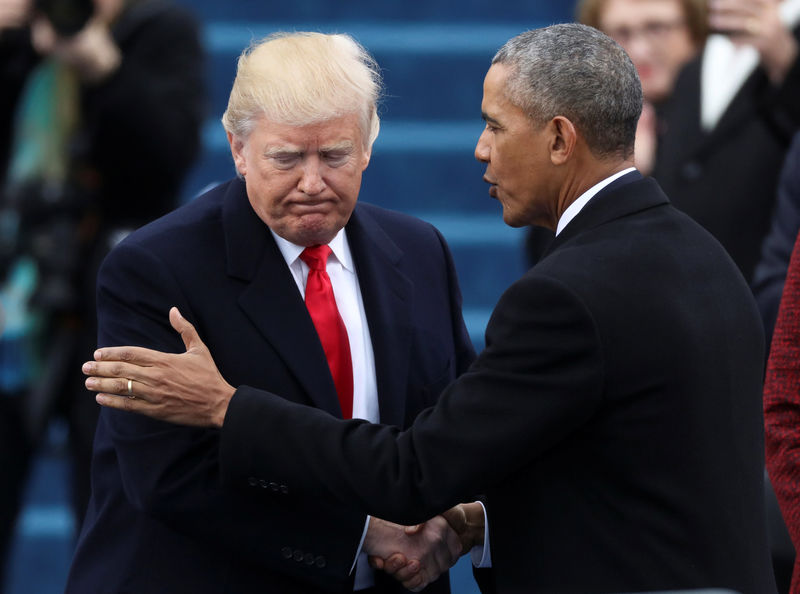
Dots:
(101, 106)
(660, 36)
(782, 406)
(726, 131)
(776, 251)
(729, 123)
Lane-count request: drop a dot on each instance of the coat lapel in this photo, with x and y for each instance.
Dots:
(388, 296)
(271, 301)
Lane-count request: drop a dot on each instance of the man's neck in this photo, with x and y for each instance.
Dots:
(587, 175)
(579, 202)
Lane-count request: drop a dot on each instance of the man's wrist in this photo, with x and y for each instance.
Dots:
(475, 525)
(221, 409)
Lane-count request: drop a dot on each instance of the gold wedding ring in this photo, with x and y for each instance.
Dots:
(130, 389)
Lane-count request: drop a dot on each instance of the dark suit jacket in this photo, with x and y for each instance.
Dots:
(159, 519)
(726, 179)
(613, 420)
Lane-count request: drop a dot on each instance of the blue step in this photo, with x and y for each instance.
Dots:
(326, 11)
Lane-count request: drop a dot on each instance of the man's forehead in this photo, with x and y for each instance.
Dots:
(332, 134)
(298, 143)
(495, 91)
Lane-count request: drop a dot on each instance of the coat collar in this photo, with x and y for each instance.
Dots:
(629, 194)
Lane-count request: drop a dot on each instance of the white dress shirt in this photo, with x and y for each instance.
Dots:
(350, 304)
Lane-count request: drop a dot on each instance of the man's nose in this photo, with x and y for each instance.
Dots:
(482, 148)
(311, 183)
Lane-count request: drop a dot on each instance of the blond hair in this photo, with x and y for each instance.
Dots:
(304, 78)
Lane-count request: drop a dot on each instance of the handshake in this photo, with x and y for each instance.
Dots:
(417, 555)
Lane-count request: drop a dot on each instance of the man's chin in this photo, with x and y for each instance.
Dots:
(312, 230)
(513, 220)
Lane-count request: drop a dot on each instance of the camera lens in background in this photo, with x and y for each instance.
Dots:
(67, 16)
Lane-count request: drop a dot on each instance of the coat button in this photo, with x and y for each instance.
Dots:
(298, 555)
(252, 481)
(320, 562)
(286, 552)
(273, 486)
(264, 484)
(308, 559)
(284, 489)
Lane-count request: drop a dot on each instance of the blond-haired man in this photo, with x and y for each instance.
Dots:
(301, 121)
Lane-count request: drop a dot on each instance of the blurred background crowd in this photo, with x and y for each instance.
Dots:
(109, 117)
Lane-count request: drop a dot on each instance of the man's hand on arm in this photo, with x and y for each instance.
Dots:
(185, 388)
(414, 555)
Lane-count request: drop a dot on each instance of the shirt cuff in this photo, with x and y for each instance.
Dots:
(365, 575)
(482, 554)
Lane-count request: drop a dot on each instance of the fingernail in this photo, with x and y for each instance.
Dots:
(87, 367)
(91, 382)
(98, 354)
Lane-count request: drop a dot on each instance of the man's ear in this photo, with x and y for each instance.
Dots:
(563, 139)
(237, 152)
(366, 156)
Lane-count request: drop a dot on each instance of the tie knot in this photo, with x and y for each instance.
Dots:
(316, 256)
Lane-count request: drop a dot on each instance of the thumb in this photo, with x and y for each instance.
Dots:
(191, 340)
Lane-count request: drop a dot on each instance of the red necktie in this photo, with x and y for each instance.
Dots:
(332, 333)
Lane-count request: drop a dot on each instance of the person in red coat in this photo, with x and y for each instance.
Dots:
(782, 407)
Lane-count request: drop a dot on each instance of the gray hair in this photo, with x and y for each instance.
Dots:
(580, 73)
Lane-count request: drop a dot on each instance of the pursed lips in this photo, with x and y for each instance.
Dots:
(311, 203)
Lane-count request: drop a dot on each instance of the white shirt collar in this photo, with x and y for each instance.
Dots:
(574, 208)
(339, 246)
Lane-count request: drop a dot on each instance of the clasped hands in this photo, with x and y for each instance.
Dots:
(418, 555)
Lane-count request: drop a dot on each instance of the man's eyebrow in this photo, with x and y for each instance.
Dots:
(344, 145)
(487, 118)
(274, 151)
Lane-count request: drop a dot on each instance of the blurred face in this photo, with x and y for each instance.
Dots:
(107, 10)
(303, 181)
(517, 158)
(656, 37)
